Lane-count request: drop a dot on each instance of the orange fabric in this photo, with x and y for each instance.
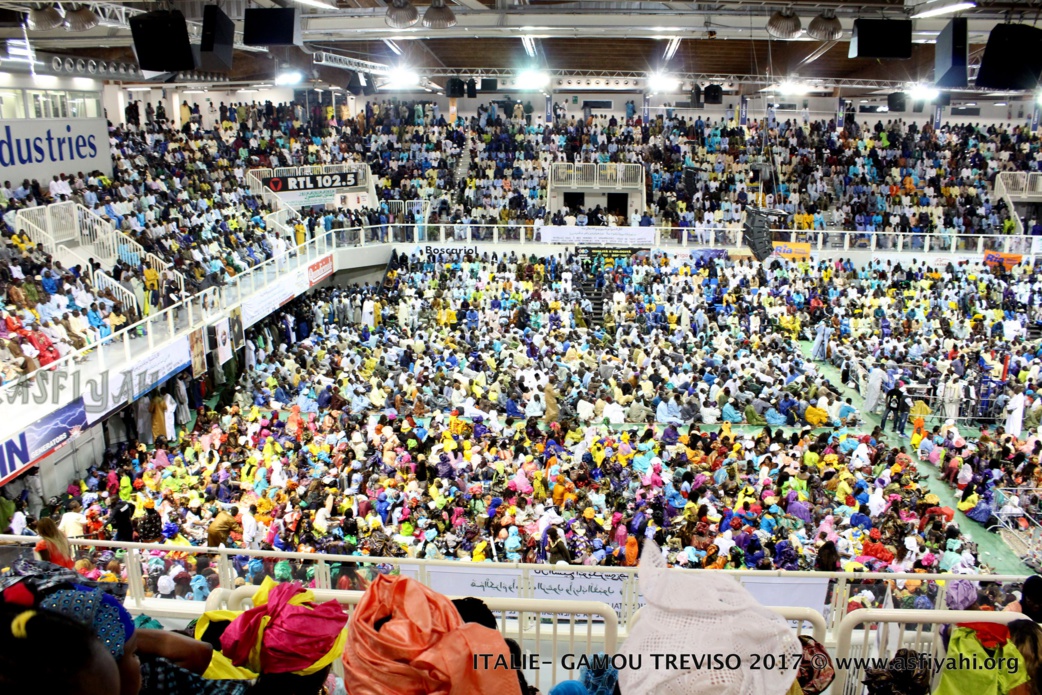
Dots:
(422, 646)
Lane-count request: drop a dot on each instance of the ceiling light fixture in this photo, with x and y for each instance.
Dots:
(790, 88)
(671, 48)
(438, 16)
(287, 78)
(80, 18)
(401, 14)
(401, 78)
(947, 9)
(784, 24)
(44, 17)
(660, 83)
(825, 27)
(532, 80)
(316, 4)
(920, 92)
(529, 43)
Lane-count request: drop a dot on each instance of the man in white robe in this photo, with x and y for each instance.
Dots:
(1015, 412)
(875, 387)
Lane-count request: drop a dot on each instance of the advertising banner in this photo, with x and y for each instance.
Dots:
(40, 149)
(793, 250)
(312, 189)
(599, 236)
(41, 439)
(496, 583)
(1006, 259)
(320, 270)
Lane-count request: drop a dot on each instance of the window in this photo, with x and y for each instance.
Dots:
(11, 104)
(84, 105)
(49, 103)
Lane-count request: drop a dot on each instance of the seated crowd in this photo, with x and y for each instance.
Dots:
(477, 409)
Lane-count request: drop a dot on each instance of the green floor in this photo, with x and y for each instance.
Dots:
(993, 550)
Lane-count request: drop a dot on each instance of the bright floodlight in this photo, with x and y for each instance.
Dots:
(533, 79)
(923, 93)
(790, 88)
(662, 83)
(401, 78)
(292, 77)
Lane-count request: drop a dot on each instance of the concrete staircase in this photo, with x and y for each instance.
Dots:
(588, 288)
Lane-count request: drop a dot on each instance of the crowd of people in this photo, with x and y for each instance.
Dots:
(475, 408)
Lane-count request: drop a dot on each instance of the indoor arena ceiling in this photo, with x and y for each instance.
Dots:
(719, 39)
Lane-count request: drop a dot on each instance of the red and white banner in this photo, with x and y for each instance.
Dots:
(320, 270)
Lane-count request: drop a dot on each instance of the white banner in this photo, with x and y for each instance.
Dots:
(112, 389)
(465, 581)
(606, 587)
(599, 236)
(275, 295)
(40, 149)
(804, 592)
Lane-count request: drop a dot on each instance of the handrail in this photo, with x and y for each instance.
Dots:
(33, 223)
(1004, 182)
(115, 242)
(725, 237)
(865, 616)
(200, 307)
(845, 582)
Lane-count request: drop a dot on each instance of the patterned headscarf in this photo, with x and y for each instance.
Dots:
(98, 611)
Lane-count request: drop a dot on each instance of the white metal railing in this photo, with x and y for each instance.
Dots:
(33, 223)
(1007, 183)
(112, 243)
(597, 175)
(933, 247)
(185, 316)
(880, 633)
(62, 222)
(616, 586)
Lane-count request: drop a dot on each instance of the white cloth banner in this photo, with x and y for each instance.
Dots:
(465, 581)
(607, 587)
(599, 236)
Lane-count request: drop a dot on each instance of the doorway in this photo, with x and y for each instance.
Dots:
(573, 201)
(618, 204)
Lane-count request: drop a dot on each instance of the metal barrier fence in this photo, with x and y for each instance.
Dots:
(595, 175)
(615, 586)
(942, 247)
(880, 633)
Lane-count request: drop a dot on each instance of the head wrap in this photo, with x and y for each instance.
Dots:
(961, 595)
(285, 632)
(98, 611)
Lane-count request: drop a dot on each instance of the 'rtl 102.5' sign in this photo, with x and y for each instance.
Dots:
(284, 184)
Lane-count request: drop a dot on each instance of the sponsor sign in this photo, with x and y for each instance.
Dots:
(311, 190)
(41, 439)
(320, 270)
(599, 236)
(1005, 259)
(41, 149)
(793, 250)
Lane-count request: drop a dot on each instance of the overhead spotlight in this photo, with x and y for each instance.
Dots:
(287, 78)
(660, 83)
(401, 14)
(784, 24)
(923, 93)
(438, 16)
(401, 78)
(532, 80)
(80, 18)
(825, 27)
(44, 17)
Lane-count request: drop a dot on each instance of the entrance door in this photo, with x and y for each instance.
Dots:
(618, 205)
(573, 201)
